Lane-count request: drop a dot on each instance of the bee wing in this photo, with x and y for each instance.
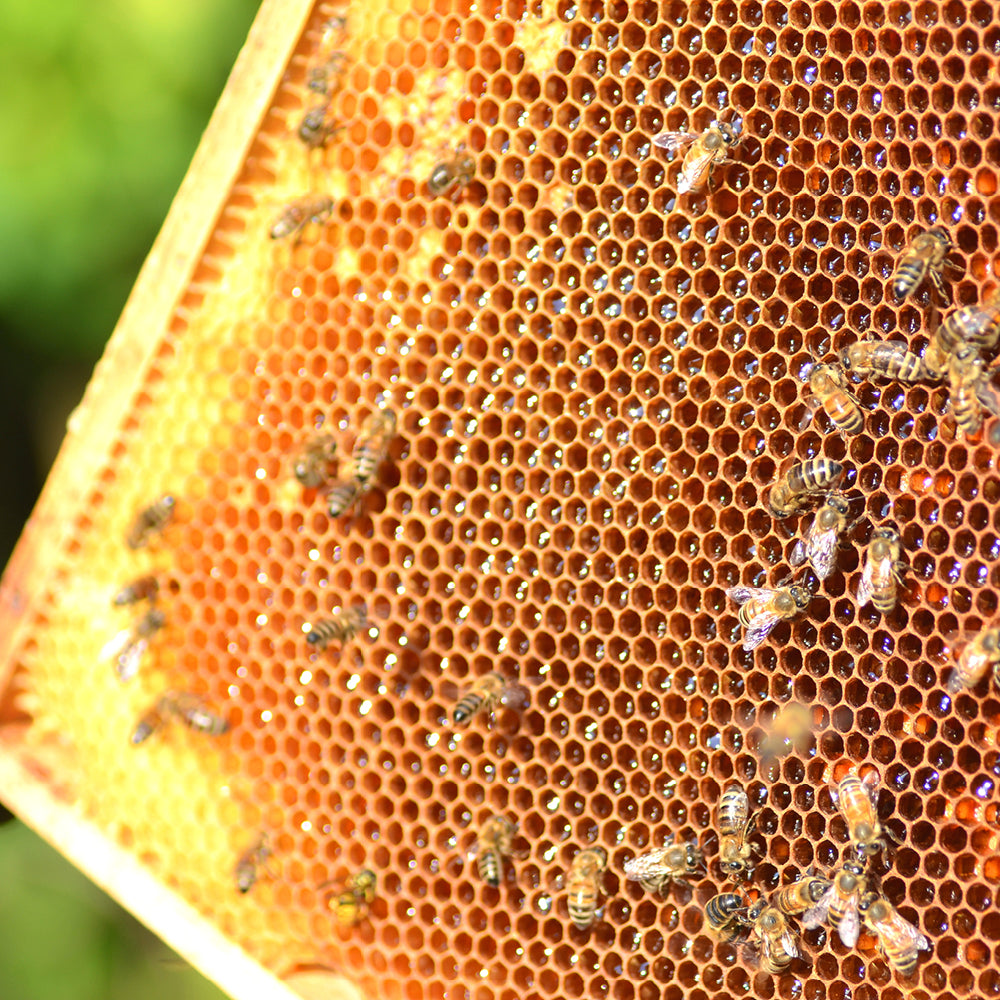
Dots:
(865, 584)
(870, 781)
(673, 140)
(743, 594)
(849, 926)
(694, 170)
(821, 547)
(816, 916)
(760, 628)
(127, 664)
(798, 556)
(904, 930)
(788, 943)
(117, 645)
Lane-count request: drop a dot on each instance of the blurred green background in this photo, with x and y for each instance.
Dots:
(104, 104)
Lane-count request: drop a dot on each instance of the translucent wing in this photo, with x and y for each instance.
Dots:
(788, 943)
(798, 556)
(127, 664)
(759, 629)
(743, 594)
(674, 140)
(849, 926)
(865, 583)
(515, 697)
(816, 915)
(871, 782)
(694, 170)
(902, 930)
(821, 547)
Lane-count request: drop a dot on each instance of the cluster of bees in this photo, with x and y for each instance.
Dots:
(954, 353)
(318, 126)
(846, 898)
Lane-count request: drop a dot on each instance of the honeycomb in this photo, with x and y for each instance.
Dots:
(596, 382)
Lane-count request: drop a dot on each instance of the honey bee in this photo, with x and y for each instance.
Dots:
(342, 495)
(839, 903)
(312, 466)
(312, 208)
(129, 646)
(152, 720)
(735, 825)
(316, 128)
(898, 939)
(703, 153)
(968, 380)
(925, 257)
(858, 802)
(791, 729)
(981, 653)
(655, 869)
(371, 446)
(726, 914)
(761, 609)
(493, 845)
(798, 487)
(829, 388)
(143, 588)
(773, 936)
(973, 326)
(801, 895)
(583, 885)
(485, 694)
(192, 712)
(353, 902)
(341, 627)
(820, 543)
(251, 862)
(882, 358)
(451, 175)
(150, 521)
(882, 572)
(321, 75)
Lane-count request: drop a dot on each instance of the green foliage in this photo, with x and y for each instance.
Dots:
(63, 939)
(103, 107)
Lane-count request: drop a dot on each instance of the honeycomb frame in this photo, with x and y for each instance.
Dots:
(596, 381)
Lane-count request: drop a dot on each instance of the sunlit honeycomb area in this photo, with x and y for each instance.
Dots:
(463, 373)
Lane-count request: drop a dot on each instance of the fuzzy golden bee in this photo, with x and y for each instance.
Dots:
(735, 825)
(143, 588)
(819, 546)
(341, 496)
(801, 895)
(975, 326)
(311, 467)
(152, 720)
(971, 391)
(312, 209)
(799, 487)
(583, 885)
(898, 939)
(976, 658)
(830, 391)
(252, 862)
(839, 903)
(701, 153)
(762, 608)
(316, 127)
(493, 845)
(656, 869)
(857, 799)
(451, 175)
(341, 627)
(485, 694)
(925, 258)
(771, 932)
(150, 521)
(330, 60)
(353, 901)
(129, 646)
(882, 359)
(881, 575)
(372, 444)
(195, 714)
(726, 915)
